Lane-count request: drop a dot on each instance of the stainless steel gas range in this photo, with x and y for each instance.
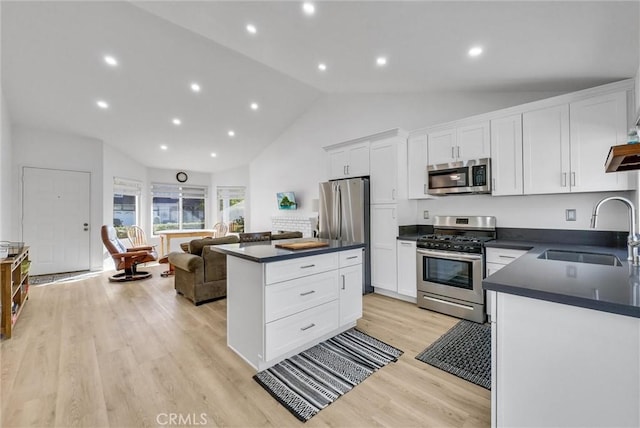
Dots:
(451, 266)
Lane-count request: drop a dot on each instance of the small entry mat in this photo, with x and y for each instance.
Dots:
(464, 351)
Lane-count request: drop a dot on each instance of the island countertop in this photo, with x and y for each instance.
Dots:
(614, 289)
(267, 252)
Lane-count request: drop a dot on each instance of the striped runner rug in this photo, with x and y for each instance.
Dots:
(308, 382)
(464, 351)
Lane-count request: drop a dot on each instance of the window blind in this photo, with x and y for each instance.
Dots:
(125, 186)
(229, 192)
(177, 191)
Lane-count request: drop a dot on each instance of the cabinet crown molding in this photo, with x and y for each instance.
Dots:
(372, 137)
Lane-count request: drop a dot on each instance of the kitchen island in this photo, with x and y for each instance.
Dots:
(565, 340)
(281, 302)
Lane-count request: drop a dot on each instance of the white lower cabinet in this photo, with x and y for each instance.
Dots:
(497, 258)
(350, 282)
(277, 309)
(556, 365)
(407, 268)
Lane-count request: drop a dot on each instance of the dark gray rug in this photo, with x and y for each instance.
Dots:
(464, 351)
(54, 277)
(308, 382)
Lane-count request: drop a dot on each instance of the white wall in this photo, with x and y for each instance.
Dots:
(296, 161)
(7, 231)
(56, 150)
(534, 211)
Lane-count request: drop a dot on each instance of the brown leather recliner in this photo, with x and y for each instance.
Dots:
(126, 259)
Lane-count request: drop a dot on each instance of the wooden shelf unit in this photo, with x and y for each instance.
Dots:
(14, 284)
(625, 157)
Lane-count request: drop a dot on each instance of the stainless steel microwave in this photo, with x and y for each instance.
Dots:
(471, 176)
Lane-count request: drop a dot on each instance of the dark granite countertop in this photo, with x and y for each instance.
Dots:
(266, 252)
(614, 289)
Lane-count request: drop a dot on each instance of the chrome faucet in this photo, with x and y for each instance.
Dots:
(632, 239)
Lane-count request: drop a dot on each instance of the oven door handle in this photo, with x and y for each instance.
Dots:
(450, 255)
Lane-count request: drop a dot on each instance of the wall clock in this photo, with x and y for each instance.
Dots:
(182, 176)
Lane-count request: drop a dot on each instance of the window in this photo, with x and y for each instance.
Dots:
(178, 207)
(126, 194)
(231, 207)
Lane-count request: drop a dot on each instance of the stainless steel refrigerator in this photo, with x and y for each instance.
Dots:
(344, 215)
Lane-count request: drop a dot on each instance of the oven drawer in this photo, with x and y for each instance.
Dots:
(450, 306)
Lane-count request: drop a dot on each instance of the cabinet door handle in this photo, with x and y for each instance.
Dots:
(573, 178)
(306, 266)
(493, 183)
(564, 179)
(344, 169)
(458, 151)
(453, 153)
(352, 257)
(306, 293)
(347, 169)
(425, 189)
(343, 282)
(506, 257)
(393, 194)
(307, 327)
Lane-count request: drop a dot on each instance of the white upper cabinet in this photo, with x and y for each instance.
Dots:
(349, 161)
(597, 124)
(565, 146)
(459, 143)
(506, 155)
(473, 141)
(417, 162)
(442, 147)
(388, 169)
(545, 141)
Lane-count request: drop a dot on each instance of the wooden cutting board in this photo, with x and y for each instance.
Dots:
(302, 245)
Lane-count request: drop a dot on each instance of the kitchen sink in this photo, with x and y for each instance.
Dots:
(581, 257)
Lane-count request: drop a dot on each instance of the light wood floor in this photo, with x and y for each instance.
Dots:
(94, 354)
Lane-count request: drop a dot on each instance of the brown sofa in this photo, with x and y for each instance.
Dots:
(201, 274)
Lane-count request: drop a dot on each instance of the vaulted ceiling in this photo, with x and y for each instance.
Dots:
(54, 72)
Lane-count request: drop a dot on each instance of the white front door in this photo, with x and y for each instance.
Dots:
(55, 219)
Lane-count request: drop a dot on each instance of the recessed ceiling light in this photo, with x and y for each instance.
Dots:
(102, 104)
(254, 106)
(164, 147)
(251, 29)
(475, 51)
(213, 155)
(381, 61)
(308, 8)
(231, 133)
(322, 66)
(110, 60)
(176, 121)
(195, 87)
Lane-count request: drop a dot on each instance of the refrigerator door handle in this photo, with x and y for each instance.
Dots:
(339, 205)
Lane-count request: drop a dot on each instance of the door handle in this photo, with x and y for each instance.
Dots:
(393, 194)
(494, 184)
(453, 155)
(425, 189)
(564, 179)
(344, 169)
(573, 178)
(458, 151)
(343, 282)
(307, 327)
(347, 169)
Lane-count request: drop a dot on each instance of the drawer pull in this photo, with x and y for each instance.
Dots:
(352, 257)
(306, 266)
(307, 327)
(306, 293)
(506, 257)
